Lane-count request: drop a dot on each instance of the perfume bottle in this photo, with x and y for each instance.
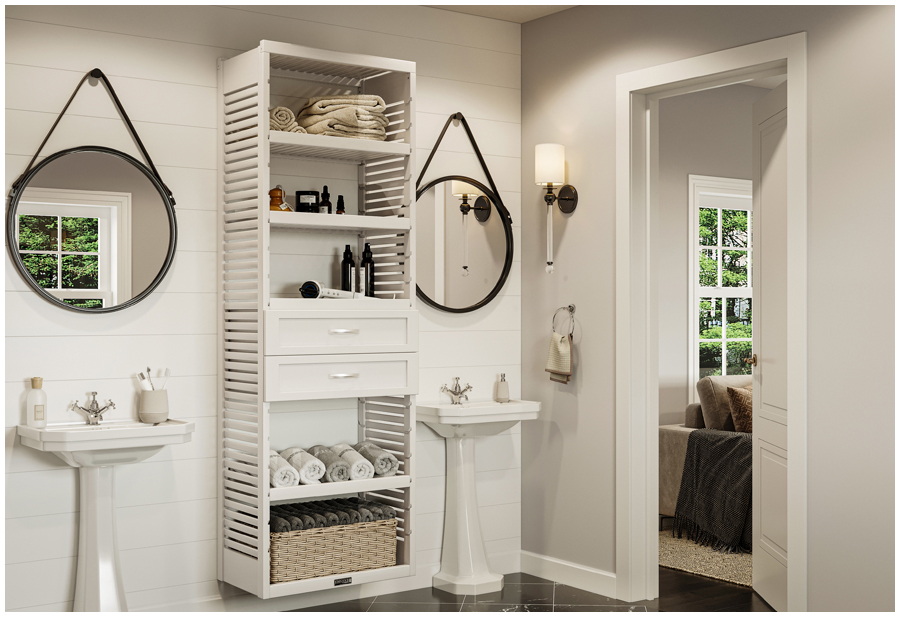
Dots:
(325, 204)
(276, 200)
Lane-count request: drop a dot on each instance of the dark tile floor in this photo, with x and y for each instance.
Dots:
(679, 591)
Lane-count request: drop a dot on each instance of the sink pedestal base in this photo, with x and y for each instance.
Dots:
(464, 566)
(98, 582)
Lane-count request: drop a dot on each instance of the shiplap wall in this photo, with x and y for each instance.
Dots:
(162, 61)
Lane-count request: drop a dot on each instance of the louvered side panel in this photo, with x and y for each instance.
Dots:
(389, 421)
(242, 435)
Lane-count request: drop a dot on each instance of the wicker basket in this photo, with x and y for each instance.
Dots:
(297, 555)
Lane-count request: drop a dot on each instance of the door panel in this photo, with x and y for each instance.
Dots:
(770, 455)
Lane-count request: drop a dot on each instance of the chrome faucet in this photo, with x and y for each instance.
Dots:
(94, 411)
(456, 394)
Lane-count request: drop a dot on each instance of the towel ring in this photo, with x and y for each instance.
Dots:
(571, 310)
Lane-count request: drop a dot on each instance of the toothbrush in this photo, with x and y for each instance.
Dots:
(143, 381)
(149, 379)
(165, 379)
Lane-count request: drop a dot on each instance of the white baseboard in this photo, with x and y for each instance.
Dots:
(568, 573)
(246, 602)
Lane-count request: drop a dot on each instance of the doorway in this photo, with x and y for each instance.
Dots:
(637, 333)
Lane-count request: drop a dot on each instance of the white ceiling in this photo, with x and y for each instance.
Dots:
(518, 14)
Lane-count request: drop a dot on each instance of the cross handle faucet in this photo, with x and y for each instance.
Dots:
(457, 393)
(94, 411)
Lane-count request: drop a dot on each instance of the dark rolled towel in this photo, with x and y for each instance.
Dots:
(374, 507)
(387, 510)
(318, 519)
(332, 518)
(352, 512)
(365, 515)
(278, 524)
(296, 522)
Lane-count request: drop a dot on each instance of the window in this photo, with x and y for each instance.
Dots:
(721, 276)
(74, 245)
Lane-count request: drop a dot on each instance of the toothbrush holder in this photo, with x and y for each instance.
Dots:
(154, 406)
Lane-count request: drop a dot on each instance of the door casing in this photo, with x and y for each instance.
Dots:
(637, 337)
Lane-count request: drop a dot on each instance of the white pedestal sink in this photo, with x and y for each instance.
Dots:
(95, 450)
(464, 566)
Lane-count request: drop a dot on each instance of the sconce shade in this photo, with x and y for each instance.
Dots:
(461, 189)
(550, 164)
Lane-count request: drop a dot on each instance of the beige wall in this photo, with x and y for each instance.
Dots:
(568, 96)
(709, 133)
(162, 62)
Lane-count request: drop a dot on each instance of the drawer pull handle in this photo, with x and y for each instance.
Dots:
(343, 375)
(344, 331)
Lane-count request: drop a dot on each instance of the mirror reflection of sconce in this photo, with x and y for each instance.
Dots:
(550, 172)
(481, 208)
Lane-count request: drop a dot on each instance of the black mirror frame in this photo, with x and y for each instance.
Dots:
(12, 248)
(505, 218)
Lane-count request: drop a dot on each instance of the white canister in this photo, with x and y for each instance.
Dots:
(154, 406)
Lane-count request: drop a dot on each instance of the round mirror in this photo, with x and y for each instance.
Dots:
(91, 229)
(464, 244)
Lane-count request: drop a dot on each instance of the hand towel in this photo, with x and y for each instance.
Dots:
(349, 117)
(385, 510)
(336, 468)
(310, 468)
(385, 463)
(351, 511)
(360, 468)
(365, 515)
(295, 521)
(559, 357)
(318, 105)
(315, 519)
(280, 472)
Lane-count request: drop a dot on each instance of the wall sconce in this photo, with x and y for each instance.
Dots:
(550, 172)
(481, 208)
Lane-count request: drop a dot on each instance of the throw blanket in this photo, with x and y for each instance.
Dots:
(714, 502)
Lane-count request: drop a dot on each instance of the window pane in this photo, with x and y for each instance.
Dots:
(740, 318)
(735, 354)
(42, 268)
(37, 233)
(92, 303)
(709, 268)
(710, 359)
(79, 234)
(709, 223)
(80, 272)
(734, 228)
(710, 318)
(734, 268)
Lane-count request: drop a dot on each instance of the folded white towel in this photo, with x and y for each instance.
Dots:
(310, 468)
(360, 468)
(280, 472)
(324, 104)
(353, 117)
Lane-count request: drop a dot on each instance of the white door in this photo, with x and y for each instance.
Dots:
(770, 413)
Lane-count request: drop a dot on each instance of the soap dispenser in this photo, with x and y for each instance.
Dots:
(502, 390)
(36, 404)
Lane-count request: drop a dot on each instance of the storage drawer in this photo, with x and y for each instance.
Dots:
(299, 378)
(291, 333)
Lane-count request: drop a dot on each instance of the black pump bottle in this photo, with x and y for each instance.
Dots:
(348, 271)
(368, 272)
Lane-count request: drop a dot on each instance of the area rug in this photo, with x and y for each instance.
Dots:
(687, 556)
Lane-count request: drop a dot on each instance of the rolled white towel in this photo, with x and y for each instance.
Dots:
(280, 472)
(360, 468)
(385, 463)
(282, 115)
(310, 468)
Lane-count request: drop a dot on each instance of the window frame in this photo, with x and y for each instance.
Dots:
(113, 209)
(715, 186)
